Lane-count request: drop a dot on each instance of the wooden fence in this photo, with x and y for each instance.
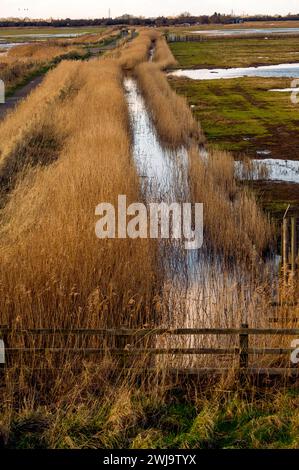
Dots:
(243, 350)
(289, 242)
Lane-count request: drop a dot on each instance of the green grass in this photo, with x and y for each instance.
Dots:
(232, 420)
(236, 52)
(242, 116)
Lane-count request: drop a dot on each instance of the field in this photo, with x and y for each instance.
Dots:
(96, 356)
(245, 25)
(236, 52)
(243, 116)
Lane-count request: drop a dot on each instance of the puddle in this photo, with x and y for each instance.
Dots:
(285, 90)
(281, 70)
(269, 169)
(245, 31)
(263, 153)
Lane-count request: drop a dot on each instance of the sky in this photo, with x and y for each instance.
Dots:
(100, 8)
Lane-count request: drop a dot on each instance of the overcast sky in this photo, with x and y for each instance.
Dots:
(99, 8)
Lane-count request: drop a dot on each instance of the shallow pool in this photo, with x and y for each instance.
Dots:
(249, 31)
(281, 70)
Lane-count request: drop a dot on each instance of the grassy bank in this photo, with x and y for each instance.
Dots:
(136, 421)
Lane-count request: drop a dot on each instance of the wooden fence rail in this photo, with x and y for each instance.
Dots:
(151, 332)
(243, 350)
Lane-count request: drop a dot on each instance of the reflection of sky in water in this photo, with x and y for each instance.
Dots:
(10, 45)
(243, 31)
(285, 90)
(281, 70)
(163, 170)
(42, 36)
(276, 170)
(197, 289)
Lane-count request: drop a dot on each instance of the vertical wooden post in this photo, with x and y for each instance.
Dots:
(243, 349)
(3, 345)
(285, 244)
(293, 244)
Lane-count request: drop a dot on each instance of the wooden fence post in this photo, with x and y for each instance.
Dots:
(285, 244)
(3, 346)
(244, 348)
(293, 244)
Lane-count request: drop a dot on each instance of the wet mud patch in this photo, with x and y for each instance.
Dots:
(282, 141)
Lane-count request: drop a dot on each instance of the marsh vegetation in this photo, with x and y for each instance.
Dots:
(67, 147)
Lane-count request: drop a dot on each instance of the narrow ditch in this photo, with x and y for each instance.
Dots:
(198, 290)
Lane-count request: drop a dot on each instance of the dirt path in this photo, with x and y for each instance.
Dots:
(19, 95)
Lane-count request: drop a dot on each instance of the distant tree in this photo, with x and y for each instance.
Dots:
(185, 14)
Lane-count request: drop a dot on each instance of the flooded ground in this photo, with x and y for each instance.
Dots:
(9, 45)
(198, 289)
(161, 169)
(281, 70)
(246, 31)
(42, 35)
(270, 169)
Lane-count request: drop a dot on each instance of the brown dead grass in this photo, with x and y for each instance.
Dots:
(24, 61)
(72, 260)
(40, 52)
(138, 50)
(56, 273)
(170, 112)
(163, 55)
(235, 226)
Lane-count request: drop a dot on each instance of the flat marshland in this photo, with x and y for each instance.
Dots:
(66, 148)
(247, 115)
(226, 52)
(243, 116)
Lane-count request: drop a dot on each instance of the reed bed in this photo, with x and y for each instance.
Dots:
(23, 62)
(20, 126)
(138, 50)
(163, 55)
(74, 261)
(235, 225)
(41, 52)
(171, 114)
(62, 152)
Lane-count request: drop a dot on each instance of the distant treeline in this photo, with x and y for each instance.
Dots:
(184, 19)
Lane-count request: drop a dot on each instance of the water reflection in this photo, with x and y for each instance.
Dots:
(199, 289)
(246, 31)
(281, 70)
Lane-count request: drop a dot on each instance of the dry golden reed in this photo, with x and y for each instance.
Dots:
(234, 224)
(55, 271)
(171, 114)
(138, 50)
(163, 55)
(65, 149)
